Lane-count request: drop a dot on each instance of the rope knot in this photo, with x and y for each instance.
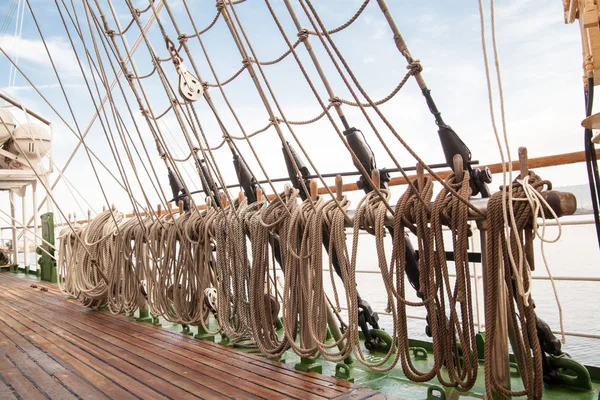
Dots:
(129, 76)
(415, 67)
(182, 38)
(246, 62)
(275, 120)
(335, 101)
(220, 5)
(303, 34)
(205, 86)
(110, 32)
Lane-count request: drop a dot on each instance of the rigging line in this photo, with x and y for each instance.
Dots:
(357, 163)
(7, 20)
(185, 165)
(376, 109)
(281, 57)
(225, 98)
(18, 31)
(411, 185)
(510, 215)
(64, 122)
(330, 91)
(504, 187)
(153, 128)
(43, 179)
(65, 94)
(93, 119)
(261, 93)
(20, 224)
(128, 109)
(231, 79)
(69, 185)
(213, 22)
(238, 41)
(227, 138)
(207, 95)
(190, 106)
(17, 223)
(209, 101)
(167, 155)
(354, 157)
(144, 76)
(168, 89)
(390, 96)
(67, 125)
(346, 24)
(107, 129)
(92, 99)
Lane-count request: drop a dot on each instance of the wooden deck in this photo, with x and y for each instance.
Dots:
(52, 347)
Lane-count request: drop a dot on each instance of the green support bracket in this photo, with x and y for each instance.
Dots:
(308, 365)
(225, 341)
(47, 265)
(343, 371)
(419, 353)
(574, 375)
(435, 392)
(185, 329)
(203, 335)
(144, 316)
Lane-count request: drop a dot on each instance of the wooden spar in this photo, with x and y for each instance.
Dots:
(420, 177)
(314, 190)
(528, 245)
(376, 178)
(458, 165)
(339, 188)
(538, 162)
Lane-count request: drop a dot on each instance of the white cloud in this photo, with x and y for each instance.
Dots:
(33, 51)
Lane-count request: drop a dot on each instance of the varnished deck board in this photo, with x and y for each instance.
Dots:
(52, 347)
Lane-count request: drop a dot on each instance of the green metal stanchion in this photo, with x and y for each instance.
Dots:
(47, 265)
(203, 335)
(144, 315)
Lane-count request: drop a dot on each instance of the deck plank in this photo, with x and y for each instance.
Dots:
(44, 381)
(172, 366)
(190, 344)
(249, 362)
(52, 347)
(19, 382)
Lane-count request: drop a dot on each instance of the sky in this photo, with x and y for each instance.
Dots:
(540, 61)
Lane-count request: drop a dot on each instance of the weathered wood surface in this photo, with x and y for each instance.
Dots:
(52, 347)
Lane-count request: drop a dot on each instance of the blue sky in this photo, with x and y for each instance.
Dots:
(540, 60)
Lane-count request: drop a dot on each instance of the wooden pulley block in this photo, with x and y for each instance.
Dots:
(190, 87)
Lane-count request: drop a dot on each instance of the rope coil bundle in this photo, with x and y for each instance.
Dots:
(501, 248)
